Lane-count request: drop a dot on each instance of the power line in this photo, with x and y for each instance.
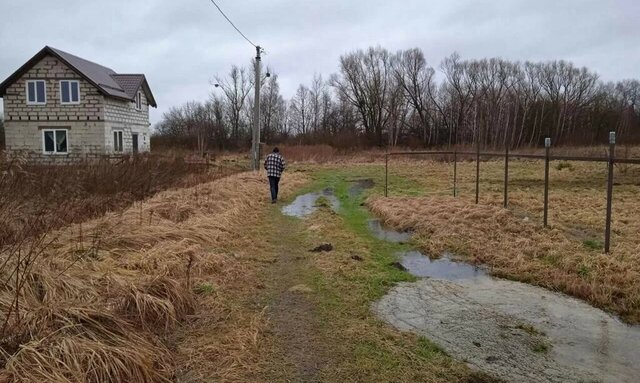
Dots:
(232, 24)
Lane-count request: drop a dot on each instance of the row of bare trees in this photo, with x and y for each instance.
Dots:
(383, 98)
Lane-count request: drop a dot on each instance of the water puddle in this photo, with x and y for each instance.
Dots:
(306, 204)
(513, 331)
(445, 267)
(359, 186)
(384, 234)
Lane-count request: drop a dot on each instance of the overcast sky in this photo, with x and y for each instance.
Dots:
(181, 44)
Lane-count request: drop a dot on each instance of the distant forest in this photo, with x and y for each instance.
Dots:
(379, 98)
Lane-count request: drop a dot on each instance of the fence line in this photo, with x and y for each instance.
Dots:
(611, 160)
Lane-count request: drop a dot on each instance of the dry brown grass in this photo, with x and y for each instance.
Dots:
(103, 300)
(36, 198)
(513, 242)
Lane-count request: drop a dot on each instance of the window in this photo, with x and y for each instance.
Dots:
(55, 141)
(138, 101)
(69, 92)
(117, 141)
(36, 92)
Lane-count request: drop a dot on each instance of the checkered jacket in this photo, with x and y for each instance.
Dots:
(274, 165)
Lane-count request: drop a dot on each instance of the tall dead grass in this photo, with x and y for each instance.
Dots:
(103, 298)
(36, 197)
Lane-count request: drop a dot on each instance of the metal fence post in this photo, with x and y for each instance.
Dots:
(547, 146)
(506, 177)
(478, 173)
(455, 171)
(386, 175)
(607, 233)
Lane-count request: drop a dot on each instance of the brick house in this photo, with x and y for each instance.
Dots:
(61, 107)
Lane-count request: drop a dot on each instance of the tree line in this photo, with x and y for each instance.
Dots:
(380, 98)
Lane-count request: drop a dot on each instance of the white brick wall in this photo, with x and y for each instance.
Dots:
(51, 70)
(123, 115)
(90, 123)
(84, 139)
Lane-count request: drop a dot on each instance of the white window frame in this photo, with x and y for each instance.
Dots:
(55, 148)
(70, 102)
(35, 88)
(115, 146)
(138, 101)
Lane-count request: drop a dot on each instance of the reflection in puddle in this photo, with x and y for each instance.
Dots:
(420, 265)
(306, 204)
(385, 234)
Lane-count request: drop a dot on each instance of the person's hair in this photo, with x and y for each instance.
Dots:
(276, 150)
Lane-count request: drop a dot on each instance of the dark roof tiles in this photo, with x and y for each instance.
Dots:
(130, 83)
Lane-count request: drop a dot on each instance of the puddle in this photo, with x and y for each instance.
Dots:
(359, 186)
(306, 204)
(516, 332)
(382, 233)
(511, 330)
(420, 265)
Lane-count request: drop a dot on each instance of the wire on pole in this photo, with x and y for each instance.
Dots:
(232, 24)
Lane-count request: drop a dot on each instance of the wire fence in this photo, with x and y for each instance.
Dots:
(611, 160)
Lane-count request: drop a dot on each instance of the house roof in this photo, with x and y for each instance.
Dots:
(108, 82)
(130, 83)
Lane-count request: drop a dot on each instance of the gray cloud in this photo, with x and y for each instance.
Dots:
(181, 45)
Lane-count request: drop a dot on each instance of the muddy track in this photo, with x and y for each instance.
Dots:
(292, 317)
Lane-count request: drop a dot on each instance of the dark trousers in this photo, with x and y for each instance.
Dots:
(273, 184)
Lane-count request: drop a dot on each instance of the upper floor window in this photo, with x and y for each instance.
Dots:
(138, 101)
(36, 92)
(69, 92)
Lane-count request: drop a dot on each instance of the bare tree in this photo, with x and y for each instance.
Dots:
(364, 80)
(416, 79)
(300, 110)
(236, 88)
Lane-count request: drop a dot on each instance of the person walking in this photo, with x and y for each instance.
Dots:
(274, 164)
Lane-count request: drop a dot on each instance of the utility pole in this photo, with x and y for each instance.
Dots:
(255, 144)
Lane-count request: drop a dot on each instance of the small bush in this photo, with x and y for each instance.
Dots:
(584, 271)
(564, 165)
(593, 244)
(204, 289)
(541, 347)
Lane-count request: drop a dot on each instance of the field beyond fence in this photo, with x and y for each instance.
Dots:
(610, 160)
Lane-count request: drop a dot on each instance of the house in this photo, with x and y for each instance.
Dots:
(61, 107)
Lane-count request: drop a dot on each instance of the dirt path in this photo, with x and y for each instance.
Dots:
(319, 325)
(293, 320)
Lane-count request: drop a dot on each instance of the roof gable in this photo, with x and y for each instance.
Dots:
(131, 83)
(106, 80)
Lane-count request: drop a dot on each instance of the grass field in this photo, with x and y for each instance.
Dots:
(211, 283)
